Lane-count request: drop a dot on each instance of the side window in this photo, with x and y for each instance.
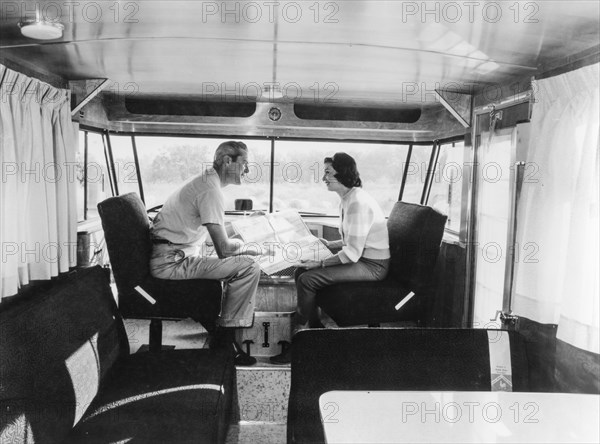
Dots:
(125, 169)
(416, 173)
(446, 185)
(93, 184)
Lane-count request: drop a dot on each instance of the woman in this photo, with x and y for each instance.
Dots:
(364, 254)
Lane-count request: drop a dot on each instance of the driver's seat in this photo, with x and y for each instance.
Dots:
(127, 233)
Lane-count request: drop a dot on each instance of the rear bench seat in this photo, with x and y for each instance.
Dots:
(390, 359)
(66, 375)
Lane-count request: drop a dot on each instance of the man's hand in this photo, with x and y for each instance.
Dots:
(232, 246)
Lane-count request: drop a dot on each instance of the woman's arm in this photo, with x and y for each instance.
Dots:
(329, 262)
(356, 222)
(333, 245)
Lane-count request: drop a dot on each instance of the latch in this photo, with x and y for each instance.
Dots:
(505, 318)
(266, 326)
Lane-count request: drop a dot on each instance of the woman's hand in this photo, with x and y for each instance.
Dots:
(309, 265)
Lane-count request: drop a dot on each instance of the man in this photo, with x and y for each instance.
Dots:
(190, 216)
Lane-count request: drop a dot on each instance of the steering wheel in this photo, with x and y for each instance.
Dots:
(150, 212)
(154, 209)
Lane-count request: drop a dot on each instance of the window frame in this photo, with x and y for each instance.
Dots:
(110, 164)
(456, 234)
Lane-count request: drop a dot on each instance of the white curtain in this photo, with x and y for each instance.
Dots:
(38, 217)
(557, 270)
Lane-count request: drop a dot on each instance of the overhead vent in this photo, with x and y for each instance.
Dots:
(179, 107)
(314, 112)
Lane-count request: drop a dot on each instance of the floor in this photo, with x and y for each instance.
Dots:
(260, 406)
(260, 403)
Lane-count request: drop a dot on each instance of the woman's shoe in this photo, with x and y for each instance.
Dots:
(283, 358)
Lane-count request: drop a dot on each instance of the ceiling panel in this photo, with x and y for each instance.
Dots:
(387, 75)
(156, 66)
(356, 52)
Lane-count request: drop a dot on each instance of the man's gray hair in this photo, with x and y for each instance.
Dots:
(230, 148)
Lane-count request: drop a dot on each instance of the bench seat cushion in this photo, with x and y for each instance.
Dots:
(176, 396)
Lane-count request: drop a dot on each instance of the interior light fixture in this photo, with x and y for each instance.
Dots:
(41, 29)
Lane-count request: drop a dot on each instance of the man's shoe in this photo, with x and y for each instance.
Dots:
(217, 340)
(241, 357)
(244, 359)
(315, 324)
(283, 358)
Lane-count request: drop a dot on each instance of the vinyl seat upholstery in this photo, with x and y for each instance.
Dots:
(67, 375)
(127, 233)
(394, 359)
(415, 234)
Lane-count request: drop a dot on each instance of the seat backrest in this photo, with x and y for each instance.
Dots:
(395, 359)
(127, 234)
(415, 233)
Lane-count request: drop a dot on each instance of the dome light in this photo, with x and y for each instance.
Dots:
(42, 30)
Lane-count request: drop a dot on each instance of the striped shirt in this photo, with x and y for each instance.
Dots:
(363, 228)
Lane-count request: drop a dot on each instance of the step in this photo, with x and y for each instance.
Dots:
(262, 393)
(267, 336)
(256, 433)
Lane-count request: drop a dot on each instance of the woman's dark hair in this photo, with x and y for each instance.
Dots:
(346, 171)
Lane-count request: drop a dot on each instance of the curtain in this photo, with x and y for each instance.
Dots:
(557, 236)
(38, 217)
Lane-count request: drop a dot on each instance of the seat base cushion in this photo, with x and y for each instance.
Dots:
(356, 303)
(174, 396)
(199, 299)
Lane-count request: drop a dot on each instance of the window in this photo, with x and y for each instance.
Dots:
(167, 162)
(490, 246)
(446, 186)
(255, 184)
(416, 173)
(98, 185)
(125, 170)
(299, 169)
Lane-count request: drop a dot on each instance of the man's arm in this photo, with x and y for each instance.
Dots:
(225, 246)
